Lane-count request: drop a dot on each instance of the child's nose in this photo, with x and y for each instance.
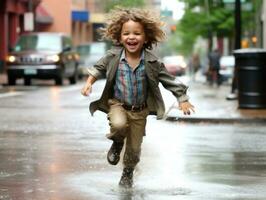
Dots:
(131, 36)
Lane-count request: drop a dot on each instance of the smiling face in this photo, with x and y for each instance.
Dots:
(132, 37)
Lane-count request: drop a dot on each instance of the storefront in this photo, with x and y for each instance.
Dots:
(12, 23)
(43, 19)
(86, 25)
(97, 20)
(80, 27)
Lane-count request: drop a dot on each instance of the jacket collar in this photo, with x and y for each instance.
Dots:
(148, 55)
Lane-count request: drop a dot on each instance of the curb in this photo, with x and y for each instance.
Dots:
(217, 120)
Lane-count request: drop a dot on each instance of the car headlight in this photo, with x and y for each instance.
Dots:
(53, 58)
(77, 57)
(11, 58)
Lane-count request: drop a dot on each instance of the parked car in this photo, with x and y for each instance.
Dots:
(175, 65)
(89, 54)
(42, 56)
(227, 64)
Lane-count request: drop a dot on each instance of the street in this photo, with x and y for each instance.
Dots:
(52, 148)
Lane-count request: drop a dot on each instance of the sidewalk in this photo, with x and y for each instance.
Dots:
(211, 106)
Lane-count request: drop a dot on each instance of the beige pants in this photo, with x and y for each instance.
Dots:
(129, 125)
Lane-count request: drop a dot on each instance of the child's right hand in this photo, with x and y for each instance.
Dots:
(86, 90)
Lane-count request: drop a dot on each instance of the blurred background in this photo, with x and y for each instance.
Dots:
(194, 28)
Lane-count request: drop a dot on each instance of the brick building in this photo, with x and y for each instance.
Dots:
(12, 23)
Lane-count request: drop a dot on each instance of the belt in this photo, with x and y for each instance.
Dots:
(134, 108)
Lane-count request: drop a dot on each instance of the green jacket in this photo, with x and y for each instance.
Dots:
(155, 71)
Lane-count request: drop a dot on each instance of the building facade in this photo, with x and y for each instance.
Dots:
(54, 16)
(12, 23)
(67, 16)
(85, 29)
(80, 14)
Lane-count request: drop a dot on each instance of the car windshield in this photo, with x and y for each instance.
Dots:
(38, 42)
(227, 61)
(173, 59)
(91, 49)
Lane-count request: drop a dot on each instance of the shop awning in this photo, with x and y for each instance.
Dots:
(80, 15)
(43, 16)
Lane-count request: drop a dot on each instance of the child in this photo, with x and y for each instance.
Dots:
(131, 92)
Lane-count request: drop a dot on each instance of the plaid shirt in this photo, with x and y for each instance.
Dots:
(130, 85)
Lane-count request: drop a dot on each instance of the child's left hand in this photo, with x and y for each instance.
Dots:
(186, 107)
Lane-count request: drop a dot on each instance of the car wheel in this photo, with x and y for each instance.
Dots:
(80, 76)
(27, 81)
(59, 81)
(73, 79)
(11, 80)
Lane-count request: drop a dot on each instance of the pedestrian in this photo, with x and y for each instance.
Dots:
(214, 67)
(131, 91)
(234, 87)
(194, 65)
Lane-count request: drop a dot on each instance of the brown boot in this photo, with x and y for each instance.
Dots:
(113, 155)
(126, 180)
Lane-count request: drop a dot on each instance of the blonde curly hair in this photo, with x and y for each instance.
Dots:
(150, 21)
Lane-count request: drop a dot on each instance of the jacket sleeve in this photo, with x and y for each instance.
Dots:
(99, 69)
(170, 83)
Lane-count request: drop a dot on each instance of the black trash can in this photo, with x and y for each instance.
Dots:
(251, 72)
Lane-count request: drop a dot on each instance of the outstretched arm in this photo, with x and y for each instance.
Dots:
(168, 81)
(178, 90)
(86, 90)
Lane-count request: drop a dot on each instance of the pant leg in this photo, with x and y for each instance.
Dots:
(118, 122)
(234, 82)
(136, 131)
(219, 77)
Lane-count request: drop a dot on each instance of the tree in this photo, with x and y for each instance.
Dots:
(207, 18)
(204, 18)
(110, 4)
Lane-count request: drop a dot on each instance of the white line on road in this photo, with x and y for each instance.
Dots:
(11, 94)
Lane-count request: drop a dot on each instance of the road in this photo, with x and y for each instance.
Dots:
(51, 148)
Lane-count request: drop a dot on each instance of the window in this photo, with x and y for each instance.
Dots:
(38, 42)
(67, 42)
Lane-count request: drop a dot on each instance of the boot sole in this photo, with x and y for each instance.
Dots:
(115, 161)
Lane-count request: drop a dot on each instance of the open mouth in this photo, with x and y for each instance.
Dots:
(132, 44)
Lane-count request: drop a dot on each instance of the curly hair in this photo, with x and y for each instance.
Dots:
(151, 24)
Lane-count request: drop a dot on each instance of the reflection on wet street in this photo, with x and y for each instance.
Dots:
(51, 148)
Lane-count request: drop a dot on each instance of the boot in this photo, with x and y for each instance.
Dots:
(113, 155)
(126, 180)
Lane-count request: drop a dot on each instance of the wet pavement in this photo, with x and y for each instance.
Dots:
(51, 148)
